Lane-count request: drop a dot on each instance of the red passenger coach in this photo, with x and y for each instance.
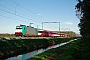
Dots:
(45, 33)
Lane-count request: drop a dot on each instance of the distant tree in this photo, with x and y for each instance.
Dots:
(83, 13)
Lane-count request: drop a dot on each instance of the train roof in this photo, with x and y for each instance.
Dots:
(22, 25)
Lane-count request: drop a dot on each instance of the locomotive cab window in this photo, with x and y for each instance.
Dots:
(18, 28)
(40, 31)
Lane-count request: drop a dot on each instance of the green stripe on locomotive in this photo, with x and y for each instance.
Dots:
(24, 29)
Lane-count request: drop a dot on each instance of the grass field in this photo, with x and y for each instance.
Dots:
(76, 50)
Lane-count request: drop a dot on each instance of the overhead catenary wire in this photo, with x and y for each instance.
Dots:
(12, 18)
(27, 9)
(12, 10)
(17, 13)
(14, 14)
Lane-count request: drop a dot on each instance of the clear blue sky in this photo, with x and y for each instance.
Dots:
(16, 12)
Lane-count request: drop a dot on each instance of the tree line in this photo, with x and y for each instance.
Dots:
(83, 13)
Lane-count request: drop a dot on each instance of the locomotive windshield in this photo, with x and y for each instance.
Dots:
(18, 27)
